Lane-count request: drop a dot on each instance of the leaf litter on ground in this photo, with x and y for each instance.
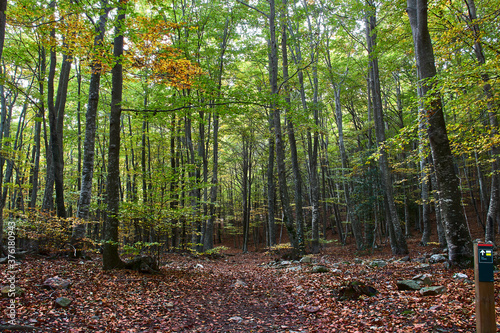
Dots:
(238, 293)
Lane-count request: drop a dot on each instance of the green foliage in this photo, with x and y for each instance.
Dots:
(48, 233)
(138, 247)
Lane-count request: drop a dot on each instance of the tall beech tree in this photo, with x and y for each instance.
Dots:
(110, 256)
(79, 230)
(457, 233)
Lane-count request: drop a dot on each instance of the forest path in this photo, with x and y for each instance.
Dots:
(243, 293)
(230, 294)
(233, 295)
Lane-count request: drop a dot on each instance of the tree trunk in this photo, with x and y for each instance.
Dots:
(299, 215)
(271, 191)
(3, 21)
(79, 230)
(244, 190)
(111, 259)
(35, 157)
(398, 245)
(48, 203)
(278, 139)
(457, 233)
(209, 230)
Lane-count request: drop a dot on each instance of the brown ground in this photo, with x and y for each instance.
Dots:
(242, 293)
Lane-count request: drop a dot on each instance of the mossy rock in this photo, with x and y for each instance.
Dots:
(6, 290)
(355, 289)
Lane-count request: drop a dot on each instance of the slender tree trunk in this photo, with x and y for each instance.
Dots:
(56, 121)
(80, 230)
(244, 190)
(3, 21)
(278, 139)
(313, 138)
(5, 118)
(35, 157)
(48, 202)
(209, 230)
(424, 183)
(398, 245)
(271, 191)
(111, 259)
(299, 215)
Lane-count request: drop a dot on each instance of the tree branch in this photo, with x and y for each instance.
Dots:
(252, 7)
(193, 107)
(291, 76)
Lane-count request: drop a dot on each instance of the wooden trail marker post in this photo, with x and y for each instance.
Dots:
(485, 290)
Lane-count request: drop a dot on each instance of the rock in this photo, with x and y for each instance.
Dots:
(56, 283)
(236, 319)
(143, 264)
(169, 305)
(436, 258)
(460, 276)
(306, 260)
(63, 302)
(240, 283)
(7, 291)
(404, 259)
(294, 269)
(320, 269)
(3, 260)
(436, 250)
(378, 263)
(355, 289)
(285, 263)
(423, 279)
(312, 309)
(433, 291)
(21, 255)
(408, 285)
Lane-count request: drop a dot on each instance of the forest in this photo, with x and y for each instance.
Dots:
(164, 126)
(141, 128)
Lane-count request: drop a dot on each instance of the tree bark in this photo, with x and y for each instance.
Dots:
(271, 190)
(3, 21)
(278, 135)
(245, 189)
(56, 134)
(299, 214)
(111, 259)
(208, 239)
(79, 230)
(48, 202)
